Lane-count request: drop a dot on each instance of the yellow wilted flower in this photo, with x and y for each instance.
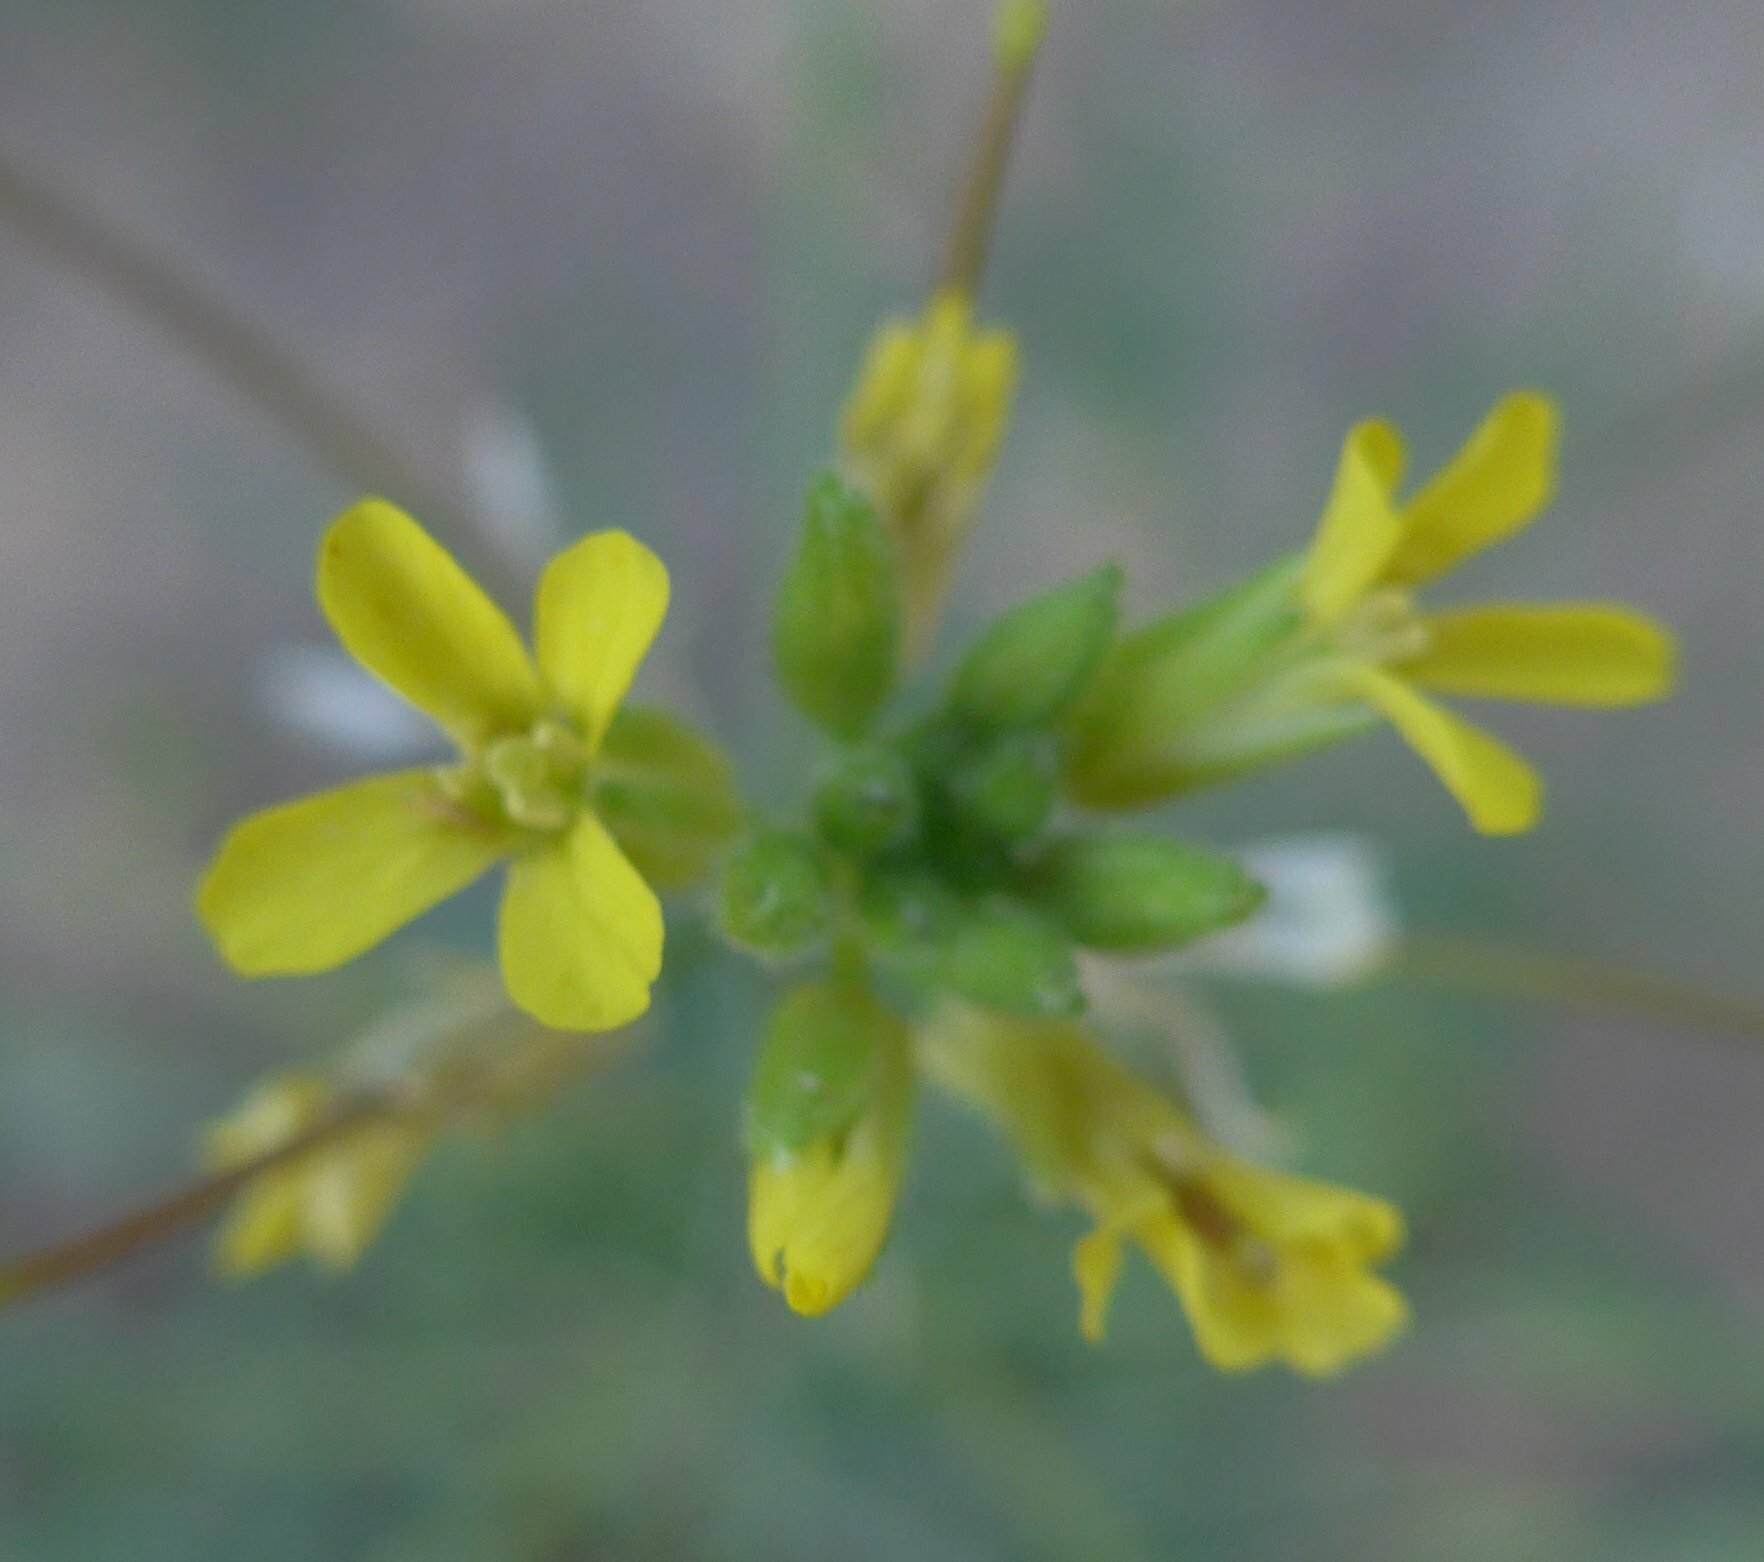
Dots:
(311, 884)
(1317, 648)
(922, 430)
(328, 1204)
(828, 1122)
(1269, 1267)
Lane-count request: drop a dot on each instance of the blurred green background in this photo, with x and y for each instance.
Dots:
(644, 242)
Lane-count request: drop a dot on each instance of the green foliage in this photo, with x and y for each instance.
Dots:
(836, 629)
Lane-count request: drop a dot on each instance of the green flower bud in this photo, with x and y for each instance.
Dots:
(1139, 892)
(1004, 957)
(666, 794)
(825, 1057)
(836, 631)
(1006, 788)
(1038, 658)
(777, 897)
(869, 803)
(909, 914)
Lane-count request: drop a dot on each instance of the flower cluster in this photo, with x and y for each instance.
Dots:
(941, 900)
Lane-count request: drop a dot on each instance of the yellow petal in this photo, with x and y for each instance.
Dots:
(1496, 787)
(817, 1219)
(1574, 653)
(600, 605)
(1096, 1265)
(314, 883)
(1333, 1313)
(410, 615)
(1359, 526)
(1502, 478)
(1236, 1322)
(1286, 1209)
(581, 933)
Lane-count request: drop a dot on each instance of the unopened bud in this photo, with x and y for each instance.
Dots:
(776, 896)
(869, 803)
(1003, 957)
(836, 632)
(1140, 892)
(1035, 661)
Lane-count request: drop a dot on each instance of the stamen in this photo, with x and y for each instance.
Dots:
(1386, 628)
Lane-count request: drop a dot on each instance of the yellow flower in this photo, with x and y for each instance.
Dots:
(817, 1217)
(1377, 646)
(312, 884)
(328, 1204)
(922, 431)
(1269, 1267)
(1316, 649)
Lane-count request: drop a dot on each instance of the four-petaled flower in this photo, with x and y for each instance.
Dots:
(1268, 1266)
(1378, 647)
(311, 884)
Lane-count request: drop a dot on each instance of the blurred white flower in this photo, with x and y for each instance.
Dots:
(1330, 919)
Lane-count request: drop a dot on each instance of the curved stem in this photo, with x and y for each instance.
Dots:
(86, 1255)
(229, 343)
(1515, 971)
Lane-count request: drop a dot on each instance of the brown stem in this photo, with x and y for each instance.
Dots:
(83, 1256)
(1511, 971)
(226, 341)
(965, 260)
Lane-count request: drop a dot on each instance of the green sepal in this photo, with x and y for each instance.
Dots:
(667, 794)
(868, 803)
(836, 629)
(1137, 736)
(1036, 660)
(1004, 957)
(776, 894)
(1138, 892)
(827, 1055)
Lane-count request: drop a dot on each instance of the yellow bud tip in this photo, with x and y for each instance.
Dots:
(1017, 32)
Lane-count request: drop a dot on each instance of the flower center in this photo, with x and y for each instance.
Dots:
(1386, 628)
(535, 777)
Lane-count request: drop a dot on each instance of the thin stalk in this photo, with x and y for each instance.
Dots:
(134, 1233)
(971, 234)
(1514, 971)
(232, 346)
